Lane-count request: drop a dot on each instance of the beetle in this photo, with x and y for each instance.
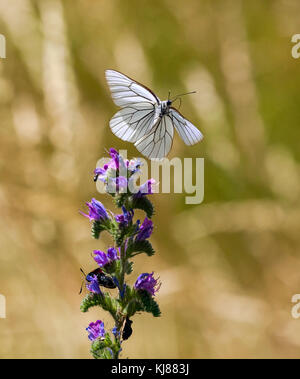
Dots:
(127, 330)
(103, 279)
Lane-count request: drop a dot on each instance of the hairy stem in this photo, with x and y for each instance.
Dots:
(120, 318)
(122, 273)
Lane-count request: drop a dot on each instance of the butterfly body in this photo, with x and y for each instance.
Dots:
(165, 107)
(145, 120)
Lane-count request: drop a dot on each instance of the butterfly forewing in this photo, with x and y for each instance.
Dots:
(126, 91)
(138, 113)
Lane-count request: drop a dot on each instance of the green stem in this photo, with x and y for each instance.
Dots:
(120, 318)
(123, 264)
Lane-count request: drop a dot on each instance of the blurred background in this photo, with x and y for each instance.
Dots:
(230, 265)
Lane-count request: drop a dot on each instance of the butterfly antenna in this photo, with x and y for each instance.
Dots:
(178, 98)
(180, 102)
(169, 95)
(182, 94)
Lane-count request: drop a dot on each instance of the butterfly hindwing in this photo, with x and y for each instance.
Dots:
(158, 142)
(186, 130)
(133, 121)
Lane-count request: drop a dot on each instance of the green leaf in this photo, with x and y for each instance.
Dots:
(107, 353)
(142, 203)
(107, 340)
(97, 228)
(103, 348)
(148, 303)
(128, 267)
(91, 300)
(105, 301)
(138, 247)
(131, 202)
(97, 348)
(119, 235)
(131, 302)
(121, 199)
(132, 307)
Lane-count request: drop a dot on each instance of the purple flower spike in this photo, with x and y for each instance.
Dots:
(100, 258)
(93, 284)
(112, 254)
(145, 230)
(125, 218)
(97, 212)
(96, 330)
(147, 283)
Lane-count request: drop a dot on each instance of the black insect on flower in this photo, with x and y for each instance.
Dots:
(127, 330)
(103, 279)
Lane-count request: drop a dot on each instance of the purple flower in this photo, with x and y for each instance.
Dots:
(115, 332)
(118, 172)
(125, 218)
(97, 212)
(109, 170)
(101, 170)
(145, 230)
(101, 173)
(121, 183)
(117, 162)
(134, 165)
(115, 157)
(112, 254)
(100, 258)
(93, 284)
(103, 259)
(118, 184)
(147, 283)
(145, 189)
(96, 330)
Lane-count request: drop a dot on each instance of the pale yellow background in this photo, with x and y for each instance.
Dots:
(230, 266)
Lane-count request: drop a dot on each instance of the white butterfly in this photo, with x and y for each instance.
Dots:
(145, 120)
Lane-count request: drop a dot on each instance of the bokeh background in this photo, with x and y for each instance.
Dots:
(230, 265)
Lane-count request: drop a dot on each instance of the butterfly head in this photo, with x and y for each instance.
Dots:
(164, 107)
